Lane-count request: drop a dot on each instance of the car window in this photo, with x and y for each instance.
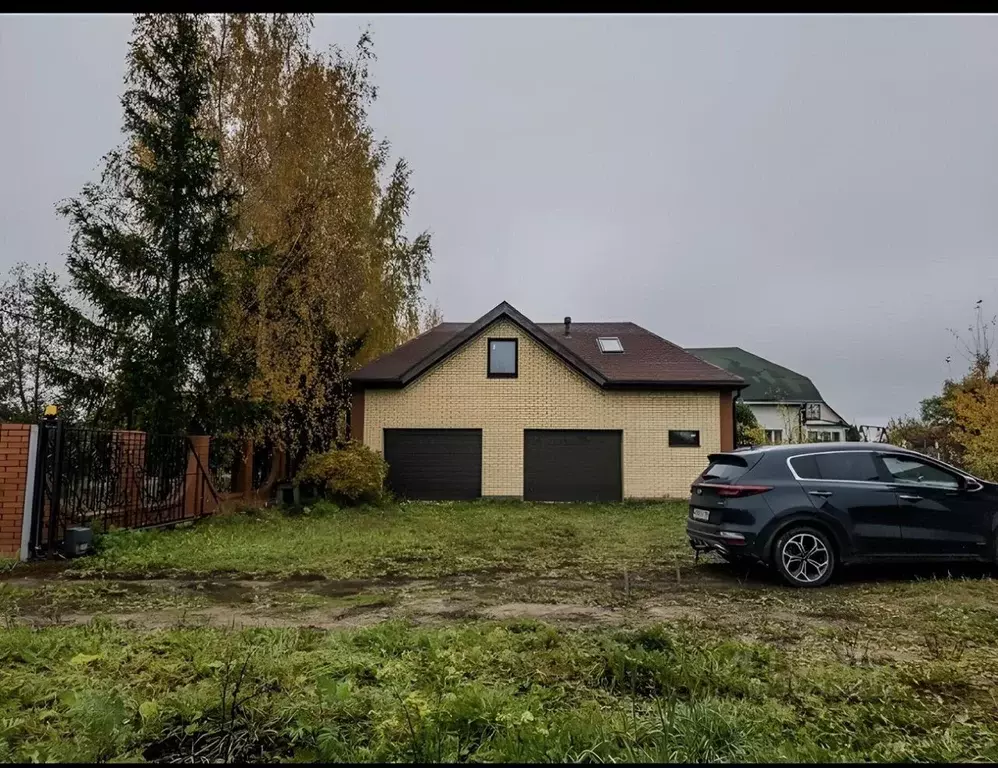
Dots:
(848, 465)
(724, 470)
(905, 470)
(805, 467)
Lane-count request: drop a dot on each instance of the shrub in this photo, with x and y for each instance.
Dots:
(747, 428)
(354, 473)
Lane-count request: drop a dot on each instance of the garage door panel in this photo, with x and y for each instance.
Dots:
(572, 465)
(434, 464)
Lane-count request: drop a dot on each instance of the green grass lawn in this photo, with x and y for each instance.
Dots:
(891, 668)
(518, 691)
(416, 539)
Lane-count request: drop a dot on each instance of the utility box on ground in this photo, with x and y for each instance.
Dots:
(78, 541)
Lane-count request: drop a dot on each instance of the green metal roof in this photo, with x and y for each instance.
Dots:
(767, 381)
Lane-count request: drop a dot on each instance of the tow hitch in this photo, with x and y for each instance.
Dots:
(703, 546)
(698, 547)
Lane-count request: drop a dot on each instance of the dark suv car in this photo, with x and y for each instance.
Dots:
(804, 509)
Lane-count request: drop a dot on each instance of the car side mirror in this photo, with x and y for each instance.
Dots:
(969, 484)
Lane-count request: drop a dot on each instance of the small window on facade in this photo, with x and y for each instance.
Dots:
(684, 438)
(812, 411)
(502, 358)
(610, 344)
(774, 436)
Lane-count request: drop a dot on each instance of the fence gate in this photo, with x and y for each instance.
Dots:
(105, 479)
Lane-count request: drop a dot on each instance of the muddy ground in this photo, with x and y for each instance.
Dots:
(888, 610)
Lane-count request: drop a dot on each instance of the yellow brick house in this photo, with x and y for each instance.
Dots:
(505, 407)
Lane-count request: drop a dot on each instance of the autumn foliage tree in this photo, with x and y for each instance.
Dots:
(245, 248)
(960, 425)
(932, 431)
(972, 403)
(335, 281)
(975, 409)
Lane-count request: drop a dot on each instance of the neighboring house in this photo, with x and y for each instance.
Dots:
(505, 407)
(777, 396)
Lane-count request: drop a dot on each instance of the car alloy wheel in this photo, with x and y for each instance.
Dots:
(804, 557)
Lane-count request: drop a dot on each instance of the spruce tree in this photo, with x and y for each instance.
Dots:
(146, 244)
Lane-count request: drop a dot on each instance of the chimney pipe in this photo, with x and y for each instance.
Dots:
(568, 326)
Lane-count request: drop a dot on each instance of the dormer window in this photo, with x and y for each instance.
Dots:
(609, 344)
(502, 358)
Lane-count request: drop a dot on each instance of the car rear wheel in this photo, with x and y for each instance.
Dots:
(804, 557)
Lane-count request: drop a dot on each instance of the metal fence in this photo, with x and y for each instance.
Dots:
(105, 479)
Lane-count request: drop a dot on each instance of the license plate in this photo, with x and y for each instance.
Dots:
(701, 514)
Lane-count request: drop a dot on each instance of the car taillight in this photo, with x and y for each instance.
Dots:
(734, 491)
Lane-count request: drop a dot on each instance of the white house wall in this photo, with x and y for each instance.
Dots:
(770, 416)
(827, 414)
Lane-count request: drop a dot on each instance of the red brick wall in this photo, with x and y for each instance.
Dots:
(14, 440)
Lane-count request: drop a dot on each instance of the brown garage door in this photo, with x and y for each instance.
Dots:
(438, 464)
(572, 465)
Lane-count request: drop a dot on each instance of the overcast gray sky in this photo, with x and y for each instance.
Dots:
(821, 191)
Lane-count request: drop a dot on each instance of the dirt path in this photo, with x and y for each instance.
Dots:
(750, 604)
(49, 597)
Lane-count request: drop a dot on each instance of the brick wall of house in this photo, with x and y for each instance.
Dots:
(14, 440)
(548, 394)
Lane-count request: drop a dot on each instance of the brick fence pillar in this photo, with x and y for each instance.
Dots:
(197, 497)
(130, 446)
(15, 440)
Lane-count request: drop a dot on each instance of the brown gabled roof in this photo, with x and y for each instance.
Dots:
(393, 364)
(647, 362)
